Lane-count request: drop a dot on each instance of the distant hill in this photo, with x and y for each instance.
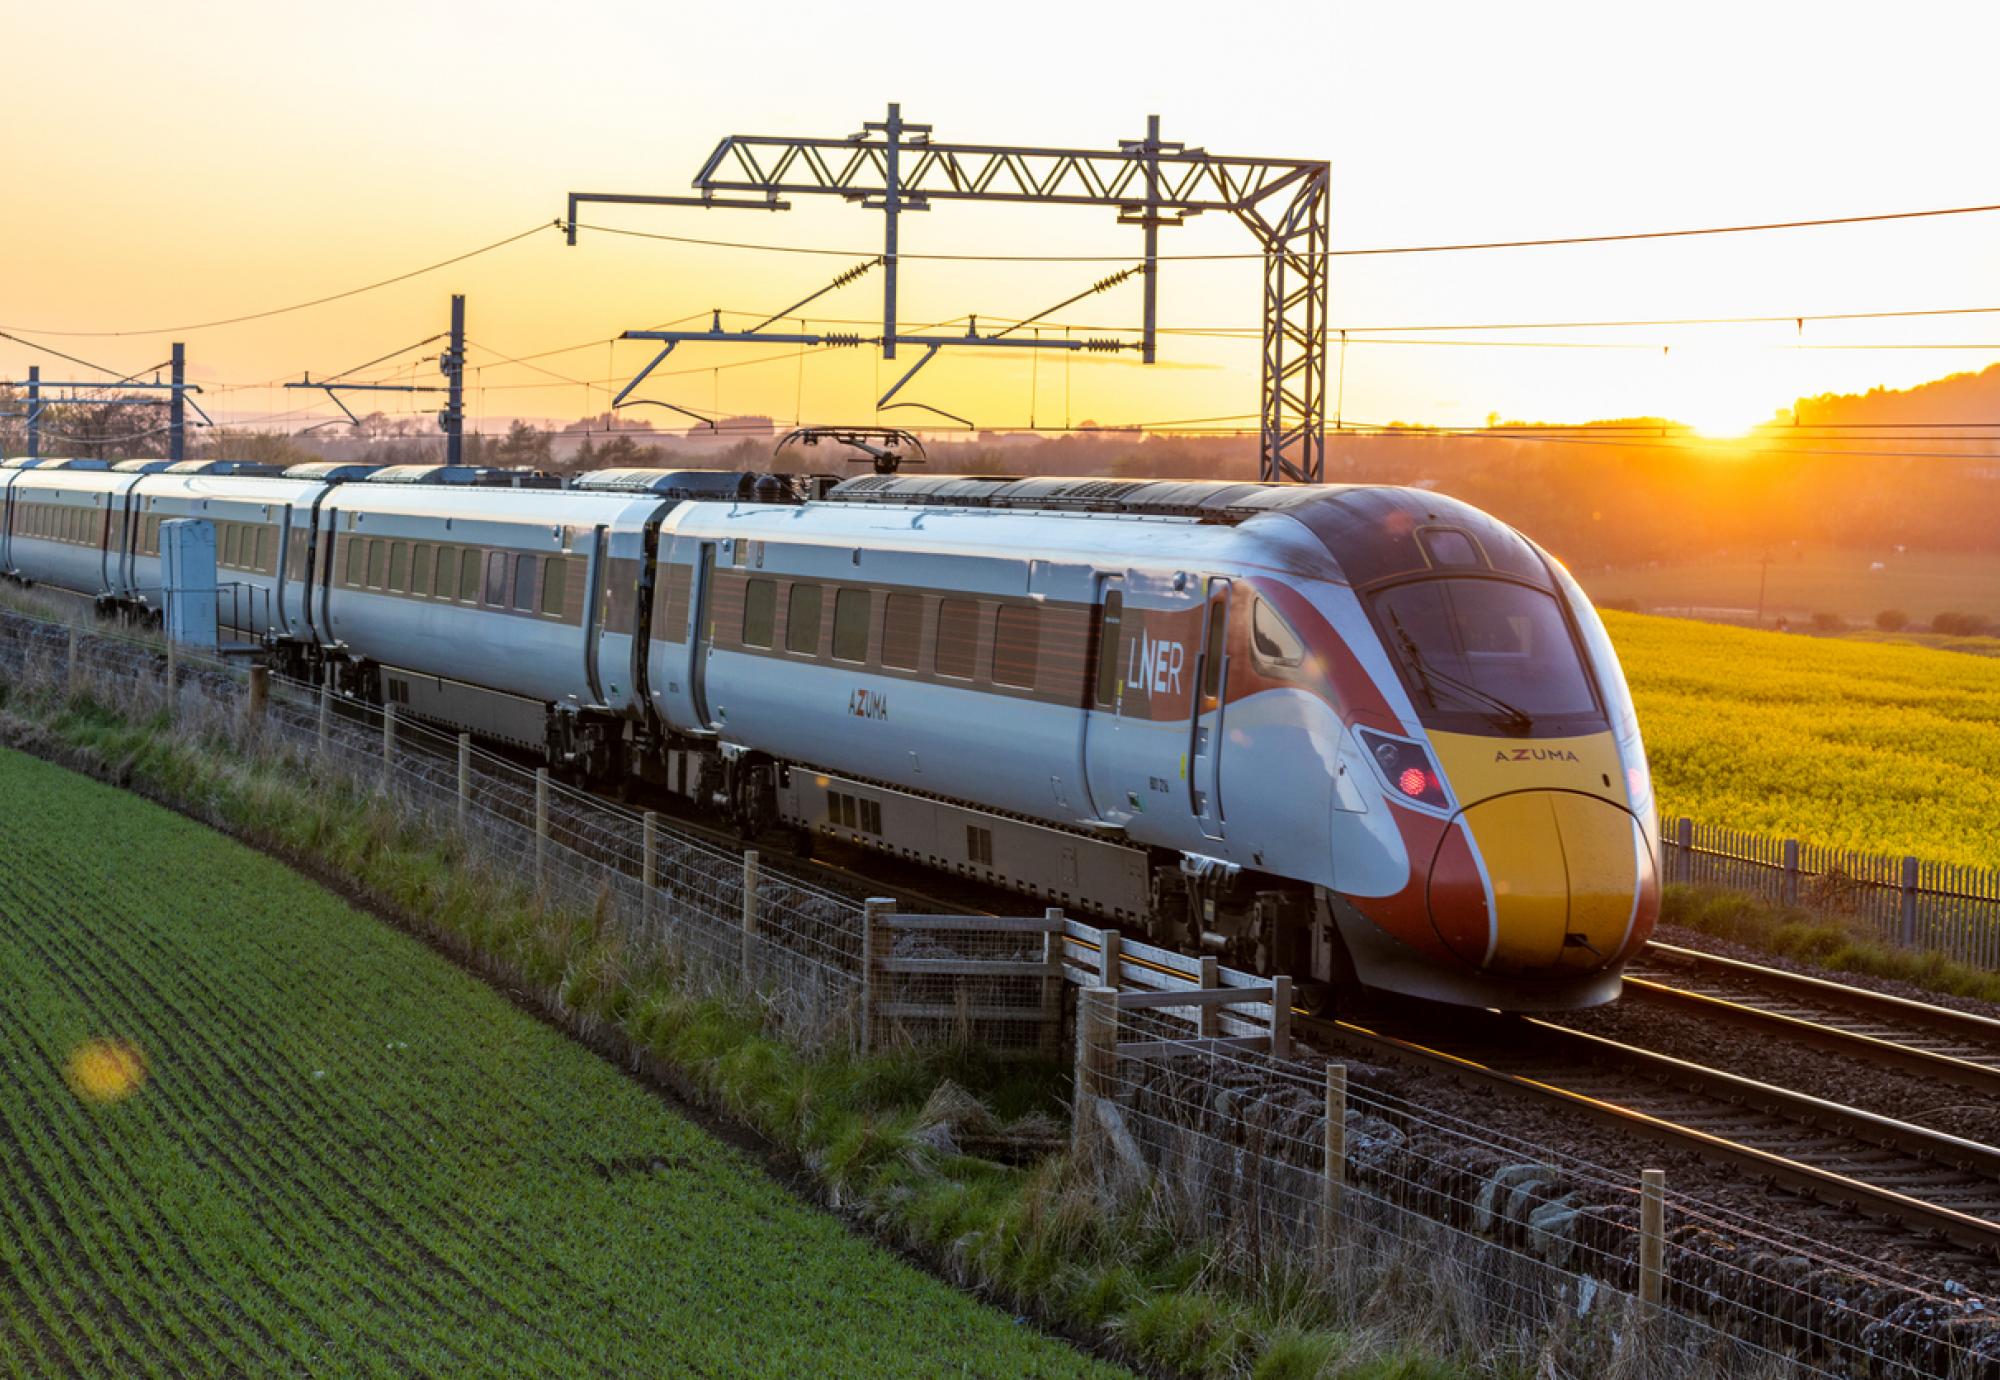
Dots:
(1959, 398)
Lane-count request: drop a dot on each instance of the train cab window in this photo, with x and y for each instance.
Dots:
(902, 631)
(850, 625)
(496, 579)
(1017, 644)
(420, 569)
(399, 567)
(957, 638)
(1484, 648)
(1273, 644)
(802, 619)
(524, 583)
(267, 550)
(468, 577)
(760, 612)
(1108, 638)
(555, 581)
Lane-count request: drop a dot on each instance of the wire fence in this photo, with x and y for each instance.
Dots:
(1189, 1112)
(1911, 903)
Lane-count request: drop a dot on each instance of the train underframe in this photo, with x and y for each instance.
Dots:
(1184, 902)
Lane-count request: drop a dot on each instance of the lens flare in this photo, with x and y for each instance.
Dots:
(105, 1070)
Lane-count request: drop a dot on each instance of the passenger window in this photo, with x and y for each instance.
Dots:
(850, 625)
(1017, 644)
(1273, 644)
(555, 581)
(267, 550)
(902, 631)
(353, 576)
(957, 638)
(760, 612)
(378, 560)
(399, 567)
(1108, 633)
(420, 569)
(468, 577)
(1211, 666)
(524, 583)
(496, 579)
(231, 535)
(802, 619)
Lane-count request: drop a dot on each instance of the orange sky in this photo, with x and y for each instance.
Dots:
(177, 164)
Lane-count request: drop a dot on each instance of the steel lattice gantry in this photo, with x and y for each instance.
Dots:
(895, 166)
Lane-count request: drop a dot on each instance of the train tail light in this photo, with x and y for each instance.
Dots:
(1408, 769)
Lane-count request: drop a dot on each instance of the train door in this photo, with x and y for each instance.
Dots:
(1101, 721)
(700, 636)
(597, 611)
(1205, 722)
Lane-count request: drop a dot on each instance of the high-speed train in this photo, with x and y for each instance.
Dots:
(1358, 733)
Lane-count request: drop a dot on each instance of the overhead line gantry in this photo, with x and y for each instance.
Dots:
(894, 166)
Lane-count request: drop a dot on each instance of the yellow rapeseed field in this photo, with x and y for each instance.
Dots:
(1886, 748)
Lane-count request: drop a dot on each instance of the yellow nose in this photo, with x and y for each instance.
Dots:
(1567, 875)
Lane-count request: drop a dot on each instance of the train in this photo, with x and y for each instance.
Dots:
(1364, 734)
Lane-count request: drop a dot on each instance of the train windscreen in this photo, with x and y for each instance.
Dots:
(1487, 650)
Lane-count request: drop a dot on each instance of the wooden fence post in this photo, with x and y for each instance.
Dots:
(1684, 845)
(752, 874)
(1791, 884)
(1210, 1017)
(260, 691)
(1652, 1236)
(1910, 902)
(876, 943)
(1333, 1182)
(541, 824)
(70, 676)
(649, 849)
(388, 744)
(464, 779)
(1096, 1055)
(1052, 985)
(326, 711)
(1110, 962)
(1281, 1016)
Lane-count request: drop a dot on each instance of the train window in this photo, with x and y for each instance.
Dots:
(353, 576)
(445, 585)
(902, 631)
(232, 535)
(1017, 638)
(524, 583)
(267, 550)
(468, 576)
(1107, 646)
(802, 618)
(378, 562)
(1449, 546)
(957, 638)
(1486, 648)
(496, 579)
(978, 845)
(399, 567)
(153, 534)
(1273, 644)
(850, 625)
(760, 612)
(420, 569)
(555, 581)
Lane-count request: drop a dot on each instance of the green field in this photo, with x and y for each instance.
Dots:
(1802, 581)
(247, 1129)
(1882, 747)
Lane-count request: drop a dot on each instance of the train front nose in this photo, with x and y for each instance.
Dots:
(1539, 882)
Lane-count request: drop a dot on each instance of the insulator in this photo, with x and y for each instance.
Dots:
(840, 340)
(1102, 346)
(1114, 280)
(843, 279)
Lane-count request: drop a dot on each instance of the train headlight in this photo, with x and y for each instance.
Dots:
(1407, 768)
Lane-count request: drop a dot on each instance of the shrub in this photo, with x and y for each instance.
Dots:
(1828, 623)
(1960, 624)
(1892, 620)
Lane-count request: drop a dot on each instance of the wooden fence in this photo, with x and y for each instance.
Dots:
(1909, 902)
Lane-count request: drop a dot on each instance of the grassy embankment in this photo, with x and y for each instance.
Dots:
(872, 1133)
(250, 1129)
(1800, 582)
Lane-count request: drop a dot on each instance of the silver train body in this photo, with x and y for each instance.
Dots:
(1362, 734)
